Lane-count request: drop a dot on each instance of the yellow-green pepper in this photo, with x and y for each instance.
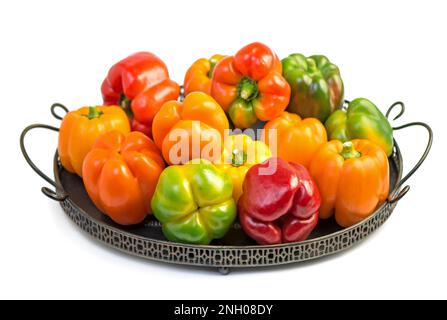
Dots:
(239, 154)
(361, 120)
(194, 202)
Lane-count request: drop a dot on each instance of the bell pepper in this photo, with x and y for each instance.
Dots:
(80, 128)
(361, 120)
(200, 117)
(198, 76)
(297, 139)
(279, 203)
(317, 87)
(140, 84)
(239, 154)
(353, 178)
(120, 174)
(194, 203)
(249, 85)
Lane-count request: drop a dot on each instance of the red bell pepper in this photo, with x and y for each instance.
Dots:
(281, 206)
(140, 84)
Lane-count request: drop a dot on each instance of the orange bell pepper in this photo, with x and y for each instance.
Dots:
(120, 174)
(353, 179)
(80, 128)
(198, 116)
(297, 139)
(198, 76)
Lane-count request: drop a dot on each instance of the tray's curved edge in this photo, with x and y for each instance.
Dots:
(224, 257)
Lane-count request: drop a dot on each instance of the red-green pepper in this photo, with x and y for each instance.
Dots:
(249, 85)
(317, 87)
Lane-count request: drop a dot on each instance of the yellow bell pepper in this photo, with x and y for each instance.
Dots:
(240, 153)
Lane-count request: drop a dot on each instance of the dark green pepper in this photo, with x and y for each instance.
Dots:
(361, 120)
(317, 87)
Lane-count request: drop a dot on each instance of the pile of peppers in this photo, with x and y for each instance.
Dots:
(313, 159)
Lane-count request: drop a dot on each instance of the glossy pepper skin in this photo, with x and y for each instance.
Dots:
(80, 128)
(249, 85)
(120, 174)
(240, 153)
(297, 139)
(317, 87)
(353, 178)
(198, 115)
(194, 203)
(361, 120)
(140, 84)
(278, 207)
(198, 77)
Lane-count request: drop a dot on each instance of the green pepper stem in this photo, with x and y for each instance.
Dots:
(349, 151)
(311, 65)
(124, 102)
(247, 89)
(212, 65)
(93, 113)
(239, 158)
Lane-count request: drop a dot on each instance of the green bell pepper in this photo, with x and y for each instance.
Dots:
(361, 120)
(194, 202)
(317, 87)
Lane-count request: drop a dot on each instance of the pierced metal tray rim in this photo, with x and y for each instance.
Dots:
(396, 152)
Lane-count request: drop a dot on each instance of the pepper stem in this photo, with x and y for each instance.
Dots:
(93, 113)
(239, 158)
(212, 65)
(124, 102)
(247, 89)
(311, 65)
(349, 151)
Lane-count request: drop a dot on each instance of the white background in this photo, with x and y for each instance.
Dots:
(59, 51)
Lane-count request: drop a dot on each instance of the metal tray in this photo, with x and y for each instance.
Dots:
(235, 249)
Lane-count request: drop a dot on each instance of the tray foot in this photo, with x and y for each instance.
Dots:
(223, 270)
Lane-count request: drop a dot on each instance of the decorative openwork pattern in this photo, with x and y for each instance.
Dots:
(228, 256)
